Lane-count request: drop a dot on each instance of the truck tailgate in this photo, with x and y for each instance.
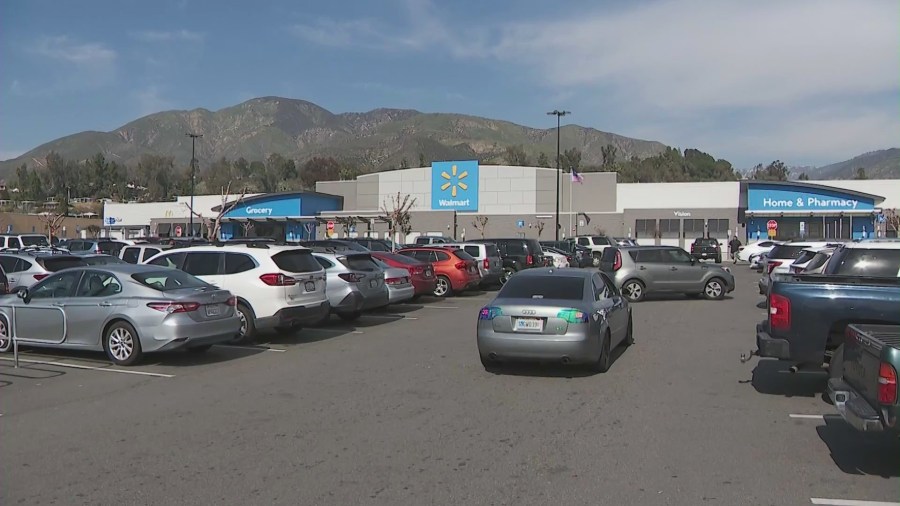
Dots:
(863, 353)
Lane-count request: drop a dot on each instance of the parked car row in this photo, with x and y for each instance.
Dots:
(845, 318)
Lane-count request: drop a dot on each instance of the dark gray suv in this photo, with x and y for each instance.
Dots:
(642, 270)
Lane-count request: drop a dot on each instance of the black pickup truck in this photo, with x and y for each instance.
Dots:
(863, 384)
(808, 314)
(706, 248)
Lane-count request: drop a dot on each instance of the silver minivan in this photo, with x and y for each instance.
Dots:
(642, 270)
(490, 265)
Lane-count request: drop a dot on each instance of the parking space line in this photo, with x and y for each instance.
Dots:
(250, 347)
(807, 417)
(851, 502)
(90, 368)
(344, 331)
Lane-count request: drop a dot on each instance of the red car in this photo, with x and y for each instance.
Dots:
(421, 273)
(455, 270)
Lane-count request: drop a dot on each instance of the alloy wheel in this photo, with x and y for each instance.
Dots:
(121, 343)
(442, 287)
(5, 340)
(713, 289)
(634, 291)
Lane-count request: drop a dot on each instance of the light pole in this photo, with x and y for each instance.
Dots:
(194, 138)
(558, 114)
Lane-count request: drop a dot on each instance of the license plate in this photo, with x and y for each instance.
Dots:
(310, 286)
(529, 324)
(213, 310)
(373, 283)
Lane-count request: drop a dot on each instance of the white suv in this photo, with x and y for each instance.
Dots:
(595, 243)
(280, 287)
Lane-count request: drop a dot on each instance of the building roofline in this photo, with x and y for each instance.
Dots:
(264, 196)
(813, 186)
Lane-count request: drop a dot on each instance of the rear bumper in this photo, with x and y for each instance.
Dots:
(400, 294)
(425, 286)
(853, 408)
(540, 350)
(770, 347)
(298, 315)
(166, 338)
(491, 277)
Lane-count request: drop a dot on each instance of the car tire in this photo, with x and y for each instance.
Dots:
(199, 349)
(633, 290)
(248, 324)
(629, 333)
(5, 339)
(714, 289)
(604, 362)
(350, 317)
(122, 344)
(443, 287)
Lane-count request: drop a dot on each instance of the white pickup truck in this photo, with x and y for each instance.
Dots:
(596, 243)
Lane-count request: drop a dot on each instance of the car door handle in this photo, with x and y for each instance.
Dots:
(105, 304)
(58, 304)
(674, 269)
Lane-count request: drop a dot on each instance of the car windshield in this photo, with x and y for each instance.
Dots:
(543, 287)
(359, 263)
(880, 263)
(169, 279)
(491, 250)
(378, 246)
(296, 260)
(103, 260)
(600, 241)
(34, 240)
(784, 251)
(706, 242)
(54, 264)
(818, 261)
(805, 256)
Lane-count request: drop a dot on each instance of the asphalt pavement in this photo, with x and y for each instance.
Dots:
(397, 409)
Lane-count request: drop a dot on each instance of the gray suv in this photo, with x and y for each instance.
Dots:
(643, 270)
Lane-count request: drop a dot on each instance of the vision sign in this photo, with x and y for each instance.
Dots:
(779, 198)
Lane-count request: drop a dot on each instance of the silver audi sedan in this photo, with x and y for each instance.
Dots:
(124, 310)
(558, 315)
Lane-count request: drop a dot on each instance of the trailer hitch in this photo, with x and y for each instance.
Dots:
(745, 357)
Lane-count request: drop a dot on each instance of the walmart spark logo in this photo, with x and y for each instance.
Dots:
(455, 180)
(454, 186)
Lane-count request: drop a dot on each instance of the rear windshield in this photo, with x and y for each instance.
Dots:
(377, 246)
(784, 251)
(359, 263)
(543, 287)
(881, 263)
(462, 255)
(169, 279)
(54, 264)
(296, 260)
(804, 257)
(609, 255)
(34, 240)
(818, 261)
(492, 250)
(706, 242)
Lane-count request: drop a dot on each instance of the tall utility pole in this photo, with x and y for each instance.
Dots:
(558, 114)
(194, 138)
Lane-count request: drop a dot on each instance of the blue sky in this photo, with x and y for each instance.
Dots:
(805, 81)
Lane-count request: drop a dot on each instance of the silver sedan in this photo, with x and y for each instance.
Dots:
(125, 310)
(558, 315)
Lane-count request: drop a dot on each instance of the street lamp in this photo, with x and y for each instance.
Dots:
(558, 114)
(194, 138)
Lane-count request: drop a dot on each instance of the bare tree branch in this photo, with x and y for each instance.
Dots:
(480, 224)
(396, 213)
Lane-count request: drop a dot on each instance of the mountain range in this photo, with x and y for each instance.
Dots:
(380, 139)
(375, 140)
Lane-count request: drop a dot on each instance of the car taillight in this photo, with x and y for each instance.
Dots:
(887, 384)
(351, 277)
(486, 263)
(489, 313)
(40, 276)
(693, 247)
(394, 281)
(278, 280)
(232, 301)
(573, 316)
(460, 265)
(779, 312)
(772, 264)
(174, 307)
(617, 264)
(529, 260)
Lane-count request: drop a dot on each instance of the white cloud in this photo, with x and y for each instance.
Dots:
(168, 36)
(151, 100)
(82, 54)
(687, 54)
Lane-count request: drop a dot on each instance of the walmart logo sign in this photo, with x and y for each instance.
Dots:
(454, 186)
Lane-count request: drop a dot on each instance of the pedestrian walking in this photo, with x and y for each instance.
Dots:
(734, 246)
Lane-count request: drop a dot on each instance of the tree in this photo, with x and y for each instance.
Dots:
(156, 174)
(422, 162)
(571, 160)
(860, 173)
(803, 177)
(515, 155)
(540, 228)
(480, 224)
(214, 224)
(775, 171)
(404, 163)
(542, 160)
(609, 155)
(396, 213)
(93, 231)
(348, 222)
(52, 222)
(349, 172)
(319, 169)
(892, 220)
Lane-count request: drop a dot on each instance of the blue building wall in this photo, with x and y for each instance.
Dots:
(290, 212)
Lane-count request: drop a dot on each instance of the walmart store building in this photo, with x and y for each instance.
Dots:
(521, 202)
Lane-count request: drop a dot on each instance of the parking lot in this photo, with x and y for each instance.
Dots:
(397, 409)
